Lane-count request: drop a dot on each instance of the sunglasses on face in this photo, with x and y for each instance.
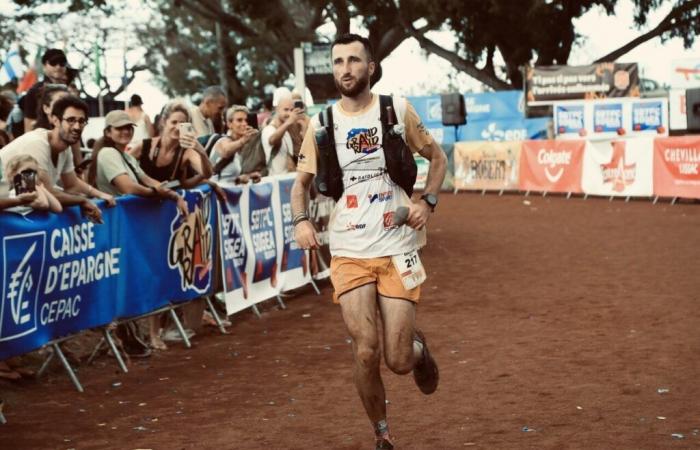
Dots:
(58, 62)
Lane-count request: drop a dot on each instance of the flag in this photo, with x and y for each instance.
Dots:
(12, 68)
(31, 76)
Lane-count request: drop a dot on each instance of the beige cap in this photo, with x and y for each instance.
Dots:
(118, 118)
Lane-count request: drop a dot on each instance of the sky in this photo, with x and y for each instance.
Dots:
(409, 71)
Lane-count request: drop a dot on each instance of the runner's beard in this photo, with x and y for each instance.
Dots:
(354, 90)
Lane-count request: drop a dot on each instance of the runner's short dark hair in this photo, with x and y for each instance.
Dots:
(352, 37)
(69, 101)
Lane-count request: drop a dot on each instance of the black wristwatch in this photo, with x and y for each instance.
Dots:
(431, 200)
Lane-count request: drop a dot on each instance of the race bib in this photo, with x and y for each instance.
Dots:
(410, 269)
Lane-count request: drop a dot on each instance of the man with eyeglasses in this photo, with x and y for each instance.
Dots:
(56, 71)
(51, 149)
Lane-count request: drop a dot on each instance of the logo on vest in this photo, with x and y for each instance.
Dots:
(351, 201)
(616, 171)
(22, 273)
(363, 140)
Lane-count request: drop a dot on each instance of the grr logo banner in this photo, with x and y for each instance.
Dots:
(23, 268)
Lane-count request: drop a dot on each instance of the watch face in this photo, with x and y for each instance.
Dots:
(430, 199)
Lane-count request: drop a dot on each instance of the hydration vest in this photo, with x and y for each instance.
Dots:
(400, 164)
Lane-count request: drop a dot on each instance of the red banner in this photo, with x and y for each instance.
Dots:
(677, 166)
(551, 166)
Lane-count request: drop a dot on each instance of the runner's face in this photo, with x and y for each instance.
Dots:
(238, 123)
(122, 135)
(351, 68)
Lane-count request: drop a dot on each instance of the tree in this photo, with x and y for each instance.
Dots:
(90, 29)
(530, 31)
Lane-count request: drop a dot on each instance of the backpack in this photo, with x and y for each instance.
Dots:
(400, 164)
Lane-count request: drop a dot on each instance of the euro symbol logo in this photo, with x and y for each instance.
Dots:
(16, 297)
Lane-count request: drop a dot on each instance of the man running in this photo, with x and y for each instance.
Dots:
(375, 269)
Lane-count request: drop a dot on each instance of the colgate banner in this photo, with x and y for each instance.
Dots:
(619, 167)
(676, 167)
(487, 165)
(551, 166)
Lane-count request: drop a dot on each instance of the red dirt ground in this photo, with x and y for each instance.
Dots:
(562, 316)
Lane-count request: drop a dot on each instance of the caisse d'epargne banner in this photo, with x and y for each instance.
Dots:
(619, 167)
(63, 274)
(487, 165)
(546, 84)
(551, 166)
(677, 166)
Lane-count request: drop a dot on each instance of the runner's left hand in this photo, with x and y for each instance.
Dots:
(418, 214)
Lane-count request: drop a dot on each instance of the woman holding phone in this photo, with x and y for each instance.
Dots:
(175, 155)
(118, 173)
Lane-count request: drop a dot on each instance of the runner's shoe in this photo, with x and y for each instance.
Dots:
(383, 443)
(425, 372)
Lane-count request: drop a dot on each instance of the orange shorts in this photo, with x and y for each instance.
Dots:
(350, 273)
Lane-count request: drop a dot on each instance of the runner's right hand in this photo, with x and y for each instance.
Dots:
(305, 235)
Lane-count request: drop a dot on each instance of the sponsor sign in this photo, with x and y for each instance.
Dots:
(603, 80)
(569, 119)
(63, 274)
(551, 166)
(685, 73)
(647, 115)
(607, 117)
(294, 267)
(501, 105)
(618, 167)
(505, 130)
(678, 119)
(677, 166)
(260, 227)
(486, 165)
(235, 248)
(610, 119)
(422, 166)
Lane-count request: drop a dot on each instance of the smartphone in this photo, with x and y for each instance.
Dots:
(299, 104)
(25, 181)
(252, 120)
(186, 128)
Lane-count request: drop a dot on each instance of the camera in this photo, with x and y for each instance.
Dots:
(25, 181)
(252, 120)
(299, 104)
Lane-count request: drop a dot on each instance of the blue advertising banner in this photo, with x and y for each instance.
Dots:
(569, 118)
(235, 250)
(505, 130)
(647, 115)
(63, 274)
(607, 117)
(480, 106)
(294, 267)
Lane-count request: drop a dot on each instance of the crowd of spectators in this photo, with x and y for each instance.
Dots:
(45, 165)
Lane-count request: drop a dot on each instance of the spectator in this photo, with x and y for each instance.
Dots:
(26, 188)
(56, 71)
(68, 116)
(144, 127)
(298, 130)
(116, 172)
(276, 139)
(212, 105)
(172, 157)
(240, 140)
(48, 96)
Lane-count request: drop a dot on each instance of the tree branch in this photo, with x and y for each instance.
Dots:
(671, 21)
(211, 10)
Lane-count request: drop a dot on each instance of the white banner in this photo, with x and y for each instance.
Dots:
(619, 167)
(259, 256)
(678, 119)
(685, 73)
